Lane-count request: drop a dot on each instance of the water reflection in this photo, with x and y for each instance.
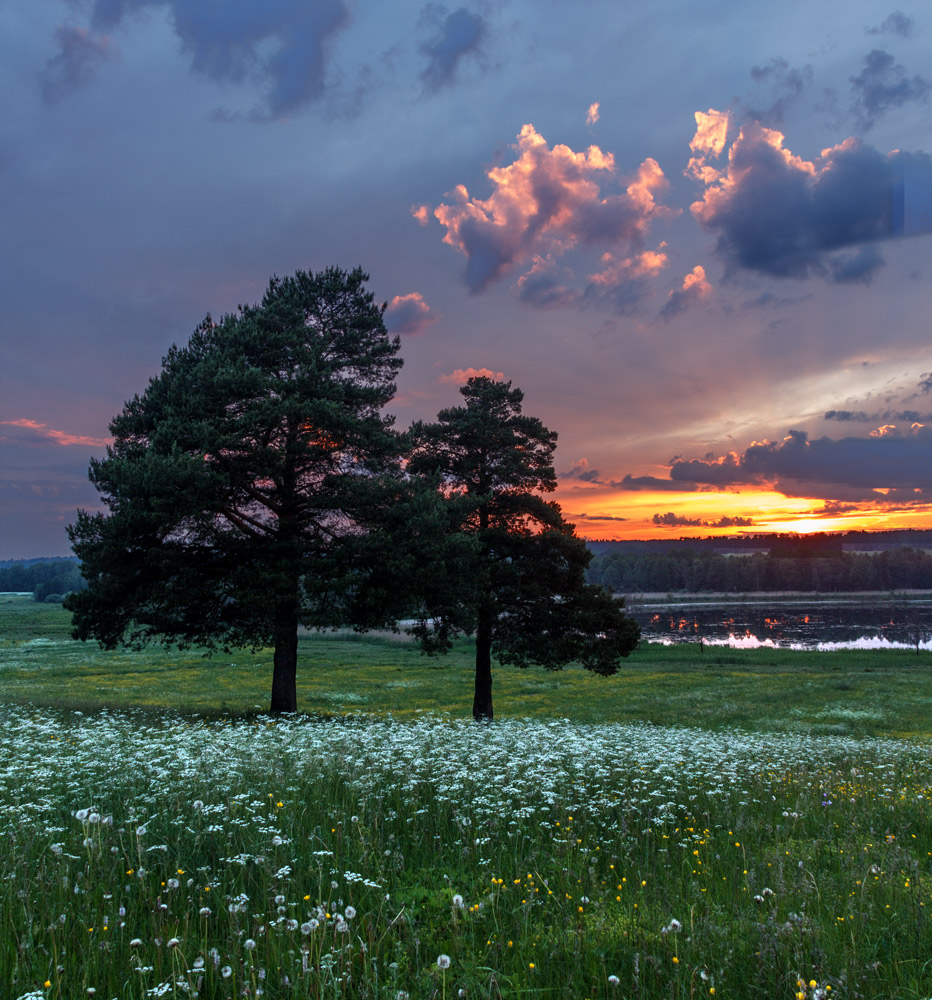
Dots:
(816, 625)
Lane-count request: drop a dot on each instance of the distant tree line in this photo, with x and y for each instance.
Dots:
(817, 543)
(48, 579)
(687, 569)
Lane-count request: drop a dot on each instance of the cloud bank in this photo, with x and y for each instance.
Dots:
(886, 466)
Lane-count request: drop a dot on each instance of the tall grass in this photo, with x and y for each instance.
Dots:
(158, 856)
(702, 825)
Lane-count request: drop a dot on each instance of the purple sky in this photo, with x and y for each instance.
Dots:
(531, 188)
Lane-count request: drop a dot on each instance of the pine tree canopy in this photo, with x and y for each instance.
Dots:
(237, 483)
(526, 597)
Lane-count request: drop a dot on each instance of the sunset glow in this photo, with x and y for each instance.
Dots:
(701, 250)
(635, 515)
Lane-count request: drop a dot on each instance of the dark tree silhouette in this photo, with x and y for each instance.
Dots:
(523, 591)
(239, 484)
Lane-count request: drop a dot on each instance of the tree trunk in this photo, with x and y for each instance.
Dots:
(482, 701)
(285, 662)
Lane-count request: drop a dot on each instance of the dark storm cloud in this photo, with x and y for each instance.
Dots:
(883, 84)
(783, 216)
(280, 43)
(896, 23)
(453, 37)
(80, 52)
(889, 461)
(671, 520)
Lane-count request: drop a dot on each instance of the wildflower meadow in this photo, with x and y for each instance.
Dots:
(147, 853)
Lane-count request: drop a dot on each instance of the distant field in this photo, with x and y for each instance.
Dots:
(852, 693)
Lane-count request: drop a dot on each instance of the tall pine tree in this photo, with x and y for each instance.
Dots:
(237, 484)
(523, 591)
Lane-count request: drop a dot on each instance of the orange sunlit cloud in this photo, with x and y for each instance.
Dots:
(38, 433)
(696, 282)
(516, 224)
(460, 376)
(709, 141)
(593, 115)
(615, 271)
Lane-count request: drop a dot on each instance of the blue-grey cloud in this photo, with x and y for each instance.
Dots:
(883, 84)
(453, 37)
(80, 52)
(782, 86)
(857, 267)
(780, 215)
(896, 23)
(277, 44)
(547, 285)
(846, 468)
(408, 314)
(860, 416)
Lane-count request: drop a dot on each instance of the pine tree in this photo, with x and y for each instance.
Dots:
(238, 485)
(522, 591)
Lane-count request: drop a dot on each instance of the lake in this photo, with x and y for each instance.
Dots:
(812, 623)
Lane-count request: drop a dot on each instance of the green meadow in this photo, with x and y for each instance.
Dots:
(852, 692)
(715, 823)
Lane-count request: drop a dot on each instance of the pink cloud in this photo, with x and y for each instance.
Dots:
(695, 287)
(460, 376)
(593, 115)
(408, 314)
(545, 203)
(35, 433)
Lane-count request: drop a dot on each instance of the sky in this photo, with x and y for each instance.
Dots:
(697, 236)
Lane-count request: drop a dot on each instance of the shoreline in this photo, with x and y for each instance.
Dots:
(677, 598)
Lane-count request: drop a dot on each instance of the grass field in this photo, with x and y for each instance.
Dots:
(731, 824)
(858, 693)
